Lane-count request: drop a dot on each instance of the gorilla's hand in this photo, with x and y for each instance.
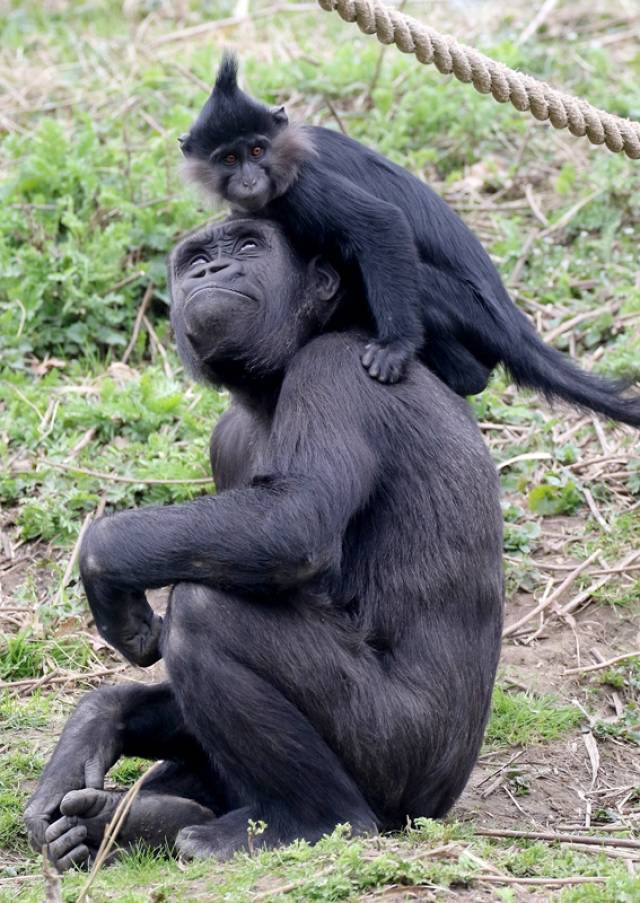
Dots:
(87, 749)
(136, 635)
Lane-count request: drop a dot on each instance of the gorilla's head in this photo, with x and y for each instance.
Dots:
(243, 301)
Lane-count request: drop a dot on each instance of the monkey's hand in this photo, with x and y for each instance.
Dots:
(387, 361)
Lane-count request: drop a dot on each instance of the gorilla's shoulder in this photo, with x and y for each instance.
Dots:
(329, 358)
(343, 347)
(336, 357)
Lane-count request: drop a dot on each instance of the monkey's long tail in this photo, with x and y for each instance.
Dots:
(541, 367)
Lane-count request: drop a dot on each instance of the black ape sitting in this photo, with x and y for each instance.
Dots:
(333, 634)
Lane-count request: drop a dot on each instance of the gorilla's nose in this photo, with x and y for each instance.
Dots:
(209, 267)
(249, 182)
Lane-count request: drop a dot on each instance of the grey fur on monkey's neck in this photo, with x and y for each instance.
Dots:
(290, 148)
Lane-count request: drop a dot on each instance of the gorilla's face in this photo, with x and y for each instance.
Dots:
(243, 302)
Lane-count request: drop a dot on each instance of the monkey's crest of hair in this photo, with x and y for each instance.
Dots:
(227, 77)
(229, 112)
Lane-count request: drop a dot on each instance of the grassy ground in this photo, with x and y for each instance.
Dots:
(94, 408)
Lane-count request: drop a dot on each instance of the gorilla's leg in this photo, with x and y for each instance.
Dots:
(163, 807)
(69, 809)
(261, 686)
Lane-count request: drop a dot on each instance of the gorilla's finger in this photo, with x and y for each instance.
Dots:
(94, 772)
(36, 829)
(58, 828)
(86, 803)
(76, 857)
(67, 842)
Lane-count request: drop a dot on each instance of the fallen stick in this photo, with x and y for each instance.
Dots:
(146, 300)
(527, 456)
(551, 882)
(572, 604)
(114, 827)
(601, 665)
(116, 478)
(566, 583)
(58, 679)
(555, 837)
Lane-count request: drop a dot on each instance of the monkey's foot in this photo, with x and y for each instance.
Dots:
(388, 361)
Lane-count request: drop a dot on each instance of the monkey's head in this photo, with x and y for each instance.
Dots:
(241, 150)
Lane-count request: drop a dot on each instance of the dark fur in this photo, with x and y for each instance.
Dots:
(429, 283)
(333, 637)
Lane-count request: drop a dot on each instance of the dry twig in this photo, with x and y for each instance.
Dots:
(599, 666)
(566, 583)
(116, 478)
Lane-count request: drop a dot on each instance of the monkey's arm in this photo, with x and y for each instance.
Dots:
(377, 234)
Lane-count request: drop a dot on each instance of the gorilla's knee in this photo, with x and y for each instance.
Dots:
(196, 614)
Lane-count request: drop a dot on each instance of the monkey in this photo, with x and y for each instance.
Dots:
(431, 288)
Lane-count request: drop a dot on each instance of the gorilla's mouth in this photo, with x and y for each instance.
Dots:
(215, 290)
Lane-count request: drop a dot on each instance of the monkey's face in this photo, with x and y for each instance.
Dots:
(238, 171)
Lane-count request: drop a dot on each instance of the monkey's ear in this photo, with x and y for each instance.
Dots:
(280, 116)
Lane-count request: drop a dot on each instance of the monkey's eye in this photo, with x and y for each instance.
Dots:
(257, 151)
(231, 159)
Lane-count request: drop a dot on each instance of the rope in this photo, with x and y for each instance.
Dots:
(487, 76)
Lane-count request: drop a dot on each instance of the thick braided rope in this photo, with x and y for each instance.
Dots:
(526, 93)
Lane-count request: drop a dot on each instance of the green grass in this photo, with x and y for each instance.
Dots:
(521, 719)
(16, 768)
(341, 869)
(128, 770)
(23, 655)
(92, 203)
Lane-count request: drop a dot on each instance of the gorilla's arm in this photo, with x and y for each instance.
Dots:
(124, 720)
(280, 532)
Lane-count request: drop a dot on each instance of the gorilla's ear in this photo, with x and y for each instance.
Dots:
(324, 279)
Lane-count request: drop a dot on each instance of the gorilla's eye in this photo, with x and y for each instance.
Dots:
(248, 245)
(257, 151)
(231, 159)
(196, 261)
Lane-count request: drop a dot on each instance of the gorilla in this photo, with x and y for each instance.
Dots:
(333, 631)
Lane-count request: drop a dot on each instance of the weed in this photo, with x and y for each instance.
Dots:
(523, 718)
(22, 655)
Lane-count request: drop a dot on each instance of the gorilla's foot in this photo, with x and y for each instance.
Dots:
(75, 837)
(234, 832)
(154, 818)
